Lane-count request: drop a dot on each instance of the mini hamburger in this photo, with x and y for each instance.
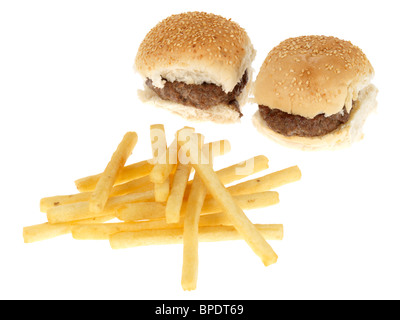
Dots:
(314, 92)
(197, 65)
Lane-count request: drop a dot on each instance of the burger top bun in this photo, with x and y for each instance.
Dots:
(195, 47)
(312, 75)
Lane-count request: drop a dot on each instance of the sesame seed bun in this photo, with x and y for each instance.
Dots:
(196, 48)
(343, 137)
(312, 75)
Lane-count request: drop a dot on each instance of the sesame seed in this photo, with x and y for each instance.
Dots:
(208, 33)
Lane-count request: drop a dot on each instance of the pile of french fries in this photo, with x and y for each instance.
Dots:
(175, 197)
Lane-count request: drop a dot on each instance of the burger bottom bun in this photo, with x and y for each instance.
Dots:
(342, 137)
(219, 113)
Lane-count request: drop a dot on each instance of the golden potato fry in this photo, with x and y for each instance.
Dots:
(45, 231)
(268, 182)
(195, 202)
(123, 240)
(244, 201)
(243, 169)
(141, 211)
(194, 205)
(175, 199)
(103, 188)
(51, 202)
(138, 185)
(80, 210)
(102, 231)
(162, 190)
(128, 173)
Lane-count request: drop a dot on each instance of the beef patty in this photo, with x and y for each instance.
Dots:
(202, 96)
(294, 125)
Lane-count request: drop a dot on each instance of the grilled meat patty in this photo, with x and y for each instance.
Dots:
(294, 125)
(201, 96)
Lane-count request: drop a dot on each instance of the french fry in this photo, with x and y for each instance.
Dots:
(155, 210)
(124, 240)
(80, 210)
(141, 211)
(161, 190)
(243, 169)
(175, 199)
(268, 182)
(102, 231)
(160, 154)
(128, 173)
(198, 193)
(244, 201)
(138, 185)
(51, 202)
(45, 231)
(103, 188)
(242, 224)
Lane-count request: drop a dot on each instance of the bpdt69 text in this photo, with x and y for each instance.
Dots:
(225, 309)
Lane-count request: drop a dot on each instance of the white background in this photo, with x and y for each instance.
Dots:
(67, 96)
